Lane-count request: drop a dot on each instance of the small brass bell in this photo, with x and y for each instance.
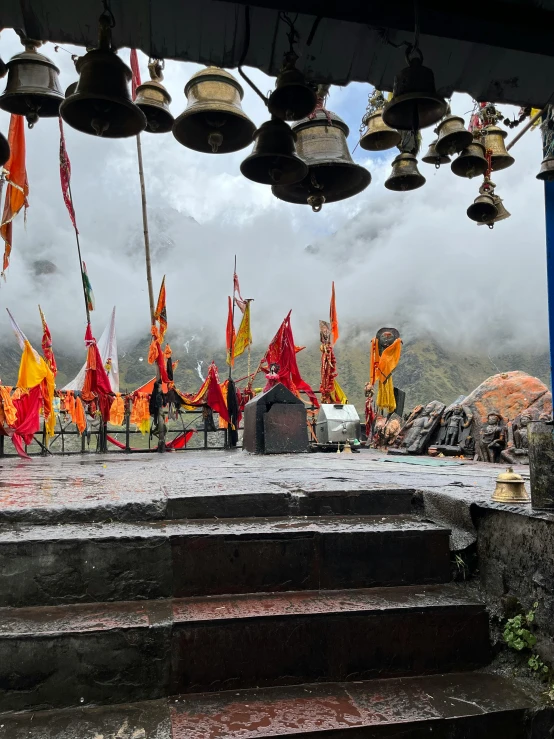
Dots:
(101, 103)
(546, 171)
(213, 121)
(405, 174)
(4, 150)
(274, 160)
(33, 87)
(293, 98)
(332, 175)
(471, 162)
(415, 103)
(378, 136)
(510, 488)
(483, 209)
(453, 137)
(493, 138)
(433, 156)
(153, 99)
(502, 213)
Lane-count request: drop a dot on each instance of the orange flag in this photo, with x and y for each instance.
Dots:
(230, 335)
(333, 317)
(18, 186)
(161, 312)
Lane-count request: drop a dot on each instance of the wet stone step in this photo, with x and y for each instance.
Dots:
(42, 565)
(452, 706)
(61, 656)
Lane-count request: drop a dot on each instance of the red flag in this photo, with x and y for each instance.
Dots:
(135, 69)
(215, 398)
(18, 185)
(65, 177)
(161, 312)
(333, 317)
(230, 335)
(47, 349)
(97, 383)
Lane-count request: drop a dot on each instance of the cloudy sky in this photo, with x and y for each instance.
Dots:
(408, 259)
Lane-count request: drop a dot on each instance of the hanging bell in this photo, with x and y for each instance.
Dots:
(415, 103)
(378, 136)
(33, 87)
(4, 150)
(274, 160)
(153, 99)
(502, 213)
(453, 137)
(433, 156)
(483, 209)
(213, 121)
(493, 138)
(293, 98)
(101, 103)
(510, 488)
(471, 162)
(546, 171)
(405, 174)
(332, 175)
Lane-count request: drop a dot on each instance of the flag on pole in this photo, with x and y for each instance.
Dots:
(88, 288)
(47, 350)
(244, 336)
(135, 69)
(333, 317)
(161, 312)
(18, 185)
(230, 335)
(65, 177)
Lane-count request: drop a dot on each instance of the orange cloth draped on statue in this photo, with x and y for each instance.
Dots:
(381, 369)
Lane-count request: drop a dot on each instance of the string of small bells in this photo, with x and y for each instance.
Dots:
(306, 163)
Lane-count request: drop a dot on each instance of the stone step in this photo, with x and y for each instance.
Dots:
(326, 499)
(452, 706)
(60, 656)
(72, 563)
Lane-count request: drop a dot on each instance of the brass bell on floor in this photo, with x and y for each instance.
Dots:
(493, 138)
(433, 156)
(471, 162)
(293, 98)
(546, 171)
(4, 150)
(415, 103)
(274, 160)
(332, 175)
(453, 136)
(483, 209)
(213, 121)
(101, 104)
(405, 174)
(153, 99)
(510, 488)
(378, 136)
(33, 87)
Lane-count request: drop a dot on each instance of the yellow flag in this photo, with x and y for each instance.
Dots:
(244, 336)
(340, 395)
(32, 368)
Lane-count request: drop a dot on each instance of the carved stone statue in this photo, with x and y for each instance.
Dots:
(455, 430)
(416, 434)
(517, 450)
(493, 438)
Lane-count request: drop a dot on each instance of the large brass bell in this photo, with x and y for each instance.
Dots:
(415, 103)
(433, 156)
(502, 212)
(405, 174)
(483, 209)
(493, 138)
(293, 98)
(332, 175)
(33, 86)
(153, 99)
(274, 160)
(4, 150)
(378, 136)
(546, 171)
(510, 488)
(471, 162)
(214, 121)
(453, 137)
(101, 104)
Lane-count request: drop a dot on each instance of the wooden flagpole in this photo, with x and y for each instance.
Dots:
(79, 252)
(145, 230)
(232, 350)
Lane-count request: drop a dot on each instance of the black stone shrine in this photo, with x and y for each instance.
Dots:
(275, 422)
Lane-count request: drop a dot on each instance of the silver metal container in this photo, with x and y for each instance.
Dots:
(337, 423)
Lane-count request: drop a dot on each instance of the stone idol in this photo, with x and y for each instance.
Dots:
(454, 436)
(517, 446)
(417, 433)
(492, 439)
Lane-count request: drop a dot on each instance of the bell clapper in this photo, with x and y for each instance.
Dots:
(215, 139)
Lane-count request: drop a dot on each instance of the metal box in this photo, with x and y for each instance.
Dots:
(337, 423)
(275, 422)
